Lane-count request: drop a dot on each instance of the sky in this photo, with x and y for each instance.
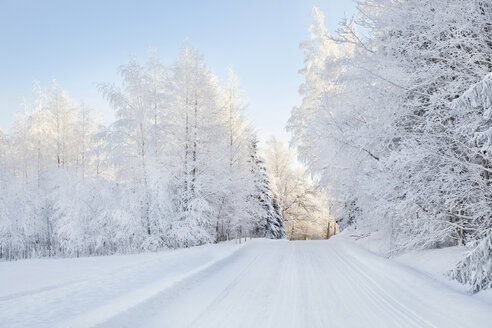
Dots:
(81, 43)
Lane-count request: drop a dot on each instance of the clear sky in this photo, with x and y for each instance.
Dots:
(80, 43)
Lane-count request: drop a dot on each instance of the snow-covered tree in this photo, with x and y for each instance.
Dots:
(269, 221)
(303, 206)
(476, 268)
(197, 148)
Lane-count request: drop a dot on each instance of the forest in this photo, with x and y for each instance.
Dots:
(396, 122)
(180, 166)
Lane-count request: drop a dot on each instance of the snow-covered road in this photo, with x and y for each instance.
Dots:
(262, 283)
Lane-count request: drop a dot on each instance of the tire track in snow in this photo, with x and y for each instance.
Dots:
(259, 284)
(387, 304)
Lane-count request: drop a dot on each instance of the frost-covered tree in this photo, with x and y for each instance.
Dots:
(237, 214)
(303, 206)
(476, 268)
(132, 143)
(439, 62)
(197, 148)
(269, 222)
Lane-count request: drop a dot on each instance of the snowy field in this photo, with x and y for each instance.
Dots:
(262, 283)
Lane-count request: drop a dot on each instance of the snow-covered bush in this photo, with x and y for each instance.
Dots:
(475, 269)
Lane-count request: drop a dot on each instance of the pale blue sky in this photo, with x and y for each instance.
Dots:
(80, 43)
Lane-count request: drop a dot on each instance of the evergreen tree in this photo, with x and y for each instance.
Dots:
(269, 222)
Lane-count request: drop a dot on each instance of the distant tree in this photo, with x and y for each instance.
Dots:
(269, 222)
(304, 207)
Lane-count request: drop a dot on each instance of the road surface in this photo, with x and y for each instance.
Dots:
(262, 283)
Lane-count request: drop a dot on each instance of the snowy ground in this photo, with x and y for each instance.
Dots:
(262, 283)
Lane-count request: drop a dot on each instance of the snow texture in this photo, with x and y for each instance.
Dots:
(263, 283)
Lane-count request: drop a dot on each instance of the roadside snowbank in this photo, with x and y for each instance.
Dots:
(82, 292)
(432, 262)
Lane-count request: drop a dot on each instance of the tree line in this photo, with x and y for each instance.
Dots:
(178, 167)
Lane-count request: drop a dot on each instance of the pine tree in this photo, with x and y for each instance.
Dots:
(269, 222)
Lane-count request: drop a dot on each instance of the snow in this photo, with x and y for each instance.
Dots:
(86, 291)
(263, 283)
(435, 263)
